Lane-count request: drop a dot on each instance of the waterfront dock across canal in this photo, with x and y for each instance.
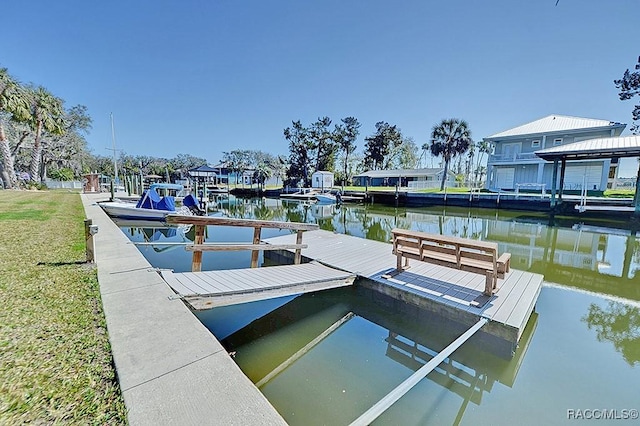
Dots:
(450, 292)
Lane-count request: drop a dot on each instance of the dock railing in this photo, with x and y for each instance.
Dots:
(201, 222)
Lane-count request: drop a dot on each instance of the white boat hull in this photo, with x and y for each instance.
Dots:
(130, 211)
(326, 198)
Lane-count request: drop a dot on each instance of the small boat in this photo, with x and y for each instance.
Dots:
(329, 198)
(152, 206)
(302, 194)
(326, 198)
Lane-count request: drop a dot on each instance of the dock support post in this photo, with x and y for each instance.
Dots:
(563, 166)
(196, 262)
(298, 258)
(89, 231)
(554, 184)
(255, 253)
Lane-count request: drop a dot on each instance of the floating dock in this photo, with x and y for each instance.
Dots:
(206, 290)
(449, 292)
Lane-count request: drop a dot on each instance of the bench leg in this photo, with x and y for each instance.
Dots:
(489, 284)
(399, 266)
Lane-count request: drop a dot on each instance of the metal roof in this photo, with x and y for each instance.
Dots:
(399, 173)
(203, 171)
(558, 123)
(620, 146)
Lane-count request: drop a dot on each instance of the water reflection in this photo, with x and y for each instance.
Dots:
(348, 348)
(158, 236)
(618, 323)
(594, 258)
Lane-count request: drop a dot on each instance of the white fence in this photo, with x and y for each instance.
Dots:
(426, 184)
(60, 184)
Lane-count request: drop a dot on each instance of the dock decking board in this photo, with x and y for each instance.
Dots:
(204, 290)
(511, 305)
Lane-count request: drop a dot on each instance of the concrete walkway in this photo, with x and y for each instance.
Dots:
(171, 369)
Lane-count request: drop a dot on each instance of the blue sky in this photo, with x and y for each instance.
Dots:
(204, 77)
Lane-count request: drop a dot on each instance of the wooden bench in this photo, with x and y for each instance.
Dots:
(468, 255)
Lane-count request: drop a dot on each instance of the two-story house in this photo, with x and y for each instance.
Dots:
(513, 164)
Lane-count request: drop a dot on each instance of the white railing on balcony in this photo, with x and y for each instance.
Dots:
(521, 156)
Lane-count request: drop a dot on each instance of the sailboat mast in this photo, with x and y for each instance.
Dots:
(113, 147)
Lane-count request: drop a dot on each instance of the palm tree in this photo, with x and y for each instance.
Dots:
(448, 139)
(483, 147)
(47, 113)
(12, 101)
(468, 169)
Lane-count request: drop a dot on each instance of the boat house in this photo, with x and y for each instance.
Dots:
(411, 178)
(514, 164)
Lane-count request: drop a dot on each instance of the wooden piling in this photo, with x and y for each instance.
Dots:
(255, 253)
(196, 262)
(89, 243)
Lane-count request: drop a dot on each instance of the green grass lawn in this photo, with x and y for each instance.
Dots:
(620, 193)
(55, 360)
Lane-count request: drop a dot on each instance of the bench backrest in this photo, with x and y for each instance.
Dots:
(460, 247)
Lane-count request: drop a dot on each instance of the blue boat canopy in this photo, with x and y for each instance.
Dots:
(151, 200)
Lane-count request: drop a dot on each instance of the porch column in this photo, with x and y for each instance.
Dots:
(554, 183)
(562, 168)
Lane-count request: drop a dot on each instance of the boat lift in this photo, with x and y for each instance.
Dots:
(392, 397)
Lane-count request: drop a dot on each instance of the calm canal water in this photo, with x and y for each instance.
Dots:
(325, 358)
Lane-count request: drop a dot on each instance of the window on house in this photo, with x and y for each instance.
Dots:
(535, 144)
(557, 141)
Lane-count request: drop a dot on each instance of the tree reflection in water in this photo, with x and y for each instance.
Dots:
(620, 324)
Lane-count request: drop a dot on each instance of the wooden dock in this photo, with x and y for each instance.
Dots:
(452, 292)
(336, 260)
(205, 290)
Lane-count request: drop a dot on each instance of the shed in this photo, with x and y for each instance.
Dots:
(322, 180)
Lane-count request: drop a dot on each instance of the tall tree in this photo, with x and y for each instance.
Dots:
(425, 151)
(238, 161)
(379, 145)
(468, 164)
(405, 156)
(448, 139)
(182, 163)
(322, 143)
(47, 115)
(629, 86)
(299, 153)
(13, 102)
(67, 149)
(345, 135)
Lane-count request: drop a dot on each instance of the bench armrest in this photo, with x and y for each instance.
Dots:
(504, 263)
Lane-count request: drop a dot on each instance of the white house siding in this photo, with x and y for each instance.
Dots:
(575, 174)
(504, 177)
(513, 149)
(527, 174)
(578, 176)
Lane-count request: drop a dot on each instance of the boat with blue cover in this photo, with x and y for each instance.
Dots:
(153, 206)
